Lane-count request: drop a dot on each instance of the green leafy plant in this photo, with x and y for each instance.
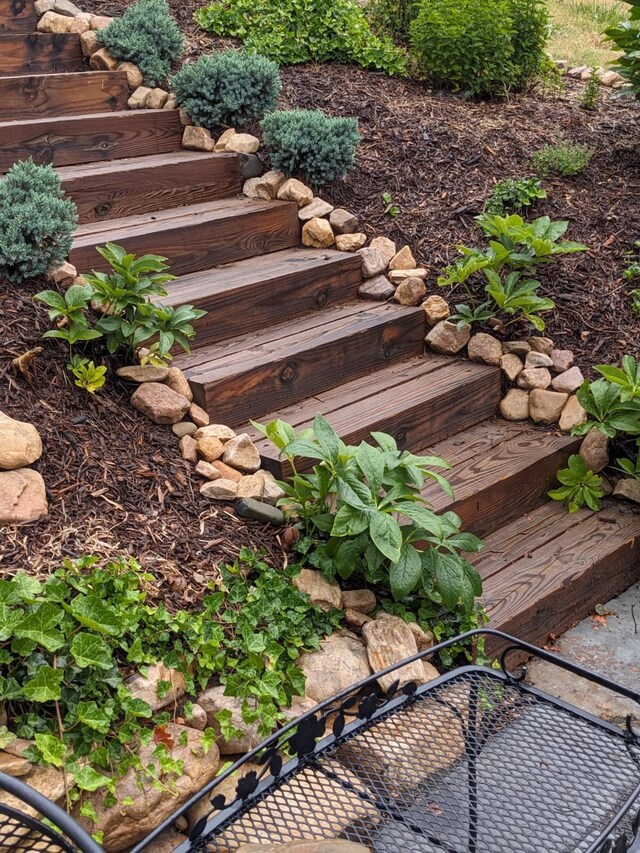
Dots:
(591, 92)
(390, 207)
(393, 17)
(293, 31)
(626, 377)
(227, 87)
(362, 514)
(86, 374)
(629, 467)
(309, 143)
(36, 222)
(516, 296)
(626, 37)
(564, 158)
(531, 32)
(513, 194)
(632, 270)
(607, 411)
(147, 35)
(580, 486)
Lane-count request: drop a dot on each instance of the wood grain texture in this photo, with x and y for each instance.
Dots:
(500, 470)
(120, 188)
(38, 95)
(425, 400)
(242, 379)
(195, 237)
(17, 16)
(39, 53)
(270, 289)
(65, 141)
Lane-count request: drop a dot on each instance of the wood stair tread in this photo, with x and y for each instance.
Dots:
(27, 96)
(31, 53)
(131, 164)
(17, 16)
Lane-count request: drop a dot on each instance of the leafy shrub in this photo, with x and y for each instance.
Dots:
(393, 17)
(147, 35)
(362, 514)
(510, 195)
(591, 92)
(227, 87)
(531, 31)
(309, 143)
(293, 31)
(626, 37)
(36, 223)
(579, 486)
(565, 158)
(613, 402)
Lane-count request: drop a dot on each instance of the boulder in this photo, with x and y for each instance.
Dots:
(224, 433)
(545, 407)
(52, 22)
(184, 428)
(324, 593)
(140, 373)
(295, 190)
(537, 359)
(534, 377)
(627, 488)
(80, 25)
(177, 381)
(511, 366)
(403, 260)
(209, 447)
(317, 209)
(390, 640)
(362, 600)
(20, 443)
(539, 344)
(562, 359)
(435, 309)
(207, 470)
(250, 166)
(374, 262)
(251, 486)
(135, 77)
(342, 221)
(595, 450)
(411, 291)
(241, 453)
(89, 43)
(224, 137)
(189, 448)
(243, 143)
(138, 99)
(196, 138)
(341, 662)
(102, 60)
(385, 246)
(350, 242)
(156, 99)
(317, 233)
(447, 338)
(198, 415)
(485, 349)
(147, 686)
(268, 185)
(212, 701)
(159, 403)
(219, 490)
(572, 415)
(23, 496)
(515, 405)
(568, 381)
(379, 289)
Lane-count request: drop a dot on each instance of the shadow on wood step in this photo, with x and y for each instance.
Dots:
(420, 401)
(17, 16)
(243, 378)
(39, 53)
(266, 290)
(194, 237)
(41, 95)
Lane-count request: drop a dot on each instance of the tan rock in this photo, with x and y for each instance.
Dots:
(595, 450)
(424, 639)
(608, 78)
(572, 415)
(219, 490)
(224, 433)
(626, 488)
(138, 98)
(197, 139)
(403, 260)
(198, 415)
(177, 381)
(269, 184)
(511, 366)
(295, 190)
(102, 60)
(243, 143)
(207, 470)
(226, 471)
(251, 486)
(343, 222)
(562, 359)
(324, 593)
(362, 600)
(545, 407)
(89, 43)
(171, 102)
(250, 187)
(485, 349)
(379, 289)
(189, 448)
(515, 405)
(341, 662)
(397, 276)
(20, 443)
(568, 381)
(209, 447)
(318, 208)
(64, 274)
(317, 233)
(447, 338)
(140, 373)
(42, 6)
(156, 99)
(390, 640)
(519, 348)
(184, 428)
(23, 497)
(350, 242)
(100, 22)
(224, 137)
(185, 118)
(135, 77)
(226, 789)
(374, 263)
(272, 491)
(169, 840)
(435, 309)
(47, 781)
(79, 25)
(13, 765)
(159, 687)
(52, 22)
(159, 403)
(212, 701)
(355, 619)
(537, 359)
(534, 377)
(539, 344)
(386, 247)
(241, 453)
(411, 291)
(196, 718)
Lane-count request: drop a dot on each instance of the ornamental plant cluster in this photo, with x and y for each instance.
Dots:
(626, 38)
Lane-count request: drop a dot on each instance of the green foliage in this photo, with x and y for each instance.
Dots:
(580, 486)
(147, 35)
(362, 514)
(66, 644)
(591, 92)
(626, 37)
(564, 158)
(227, 87)
(36, 222)
(391, 209)
(86, 374)
(309, 143)
(513, 194)
(481, 47)
(631, 273)
(393, 17)
(293, 31)
(629, 467)
(613, 402)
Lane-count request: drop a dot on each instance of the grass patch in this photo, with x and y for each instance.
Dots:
(577, 27)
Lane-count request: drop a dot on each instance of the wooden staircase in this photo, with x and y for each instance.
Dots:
(286, 335)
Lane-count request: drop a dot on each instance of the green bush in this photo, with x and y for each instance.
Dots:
(565, 158)
(36, 223)
(626, 37)
(309, 143)
(393, 17)
(227, 87)
(147, 35)
(531, 24)
(293, 31)
(510, 195)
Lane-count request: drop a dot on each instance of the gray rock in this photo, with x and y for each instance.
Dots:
(447, 338)
(568, 381)
(250, 166)
(379, 289)
(343, 222)
(374, 262)
(65, 7)
(628, 488)
(42, 6)
(159, 403)
(219, 490)
(537, 359)
(520, 348)
(184, 428)
(562, 359)
(143, 373)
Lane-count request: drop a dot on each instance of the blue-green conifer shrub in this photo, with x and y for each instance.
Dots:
(310, 144)
(36, 222)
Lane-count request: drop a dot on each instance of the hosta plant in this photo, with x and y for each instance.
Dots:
(579, 486)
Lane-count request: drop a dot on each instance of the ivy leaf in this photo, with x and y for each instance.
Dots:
(46, 686)
(93, 613)
(405, 575)
(386, 535)
(9, 619)
(91, 650)
(6, 737)
(52, 749)
(91, 715)
(40, 627)
(88, 779)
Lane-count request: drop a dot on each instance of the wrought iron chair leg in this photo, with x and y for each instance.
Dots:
(471, 741)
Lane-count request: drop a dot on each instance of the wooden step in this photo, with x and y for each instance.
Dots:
(420, 401)
(243, 378)
(194, 237)
(548, 569)
(269, 289)
(38, 95)
(39, 53)
(68, 140)
(17, 16)
(500, 471)
(119, 188)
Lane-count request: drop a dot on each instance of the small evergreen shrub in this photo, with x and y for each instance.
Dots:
(147, 35)
(228, 87)
(36, 222)
(311, 144)
(565, 158)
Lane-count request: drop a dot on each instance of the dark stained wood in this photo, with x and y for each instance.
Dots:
(500, 471)
(195, 237)
(242, 379)
(419, 402)
(560, 579)
(39, 53)
(270, 288)
(120, 188)
(17, 16)
(36, 95)
(66, 141)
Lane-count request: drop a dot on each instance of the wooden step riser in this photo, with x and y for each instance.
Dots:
(39, 53)
(17, 16)
(280, 382)
(197, 246)
(41, 95)
(87, 139)
(109, 195)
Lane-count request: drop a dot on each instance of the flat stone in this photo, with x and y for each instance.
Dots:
(595, 450)
(198, 415)
(140, 373)
(520, 348)
(322, 592)
(51, 22)
(243, 143)
(374, 262)
(13, 765)
(207, 470)
(241, 453)
(341, 662)
(355, 620)
(362, 600)
(135, 77)
(515, 405)
(251, 486)
(411, 291)
(250, 187)
(435, 309)
(147, 686)
(447, 338)
(20, 443)
(177, 381)
(184, 428)
(317, 233)
(390, 640)
(23, 496)
(318, 208)
(385, 246)
(295, 190)
(485, 349)
(138, 99)
(159, 403)
(189, 448)
(224, 137)
(268, 185)
(226, 471)
(102, 60)
(197, 139)
(209, 447)
(396, 276)
(343, 222)
(534, 377)
(379, 289)
(510, 365)
(156, 99)
(562, 359)
(537, 359)
(219, 490)
(224, 433)
(545, 407)
(572, 415)
(403, 260)
(89, 43)
(626, 488)
(568, 381)
(350, 242)
(540, 344)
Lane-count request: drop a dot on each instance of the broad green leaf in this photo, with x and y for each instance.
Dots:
(354, 492)
(40, 627)
(349, 521)
(53, 749)
(93, 613)
(371, 463)
(88, 779)
(386, 535)
(326, 436)
(449, 579)
(404, 576)
(348, 558)
(89, 650)
(78, 295)
(46, 686)
(386, 442)
(91, 715)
